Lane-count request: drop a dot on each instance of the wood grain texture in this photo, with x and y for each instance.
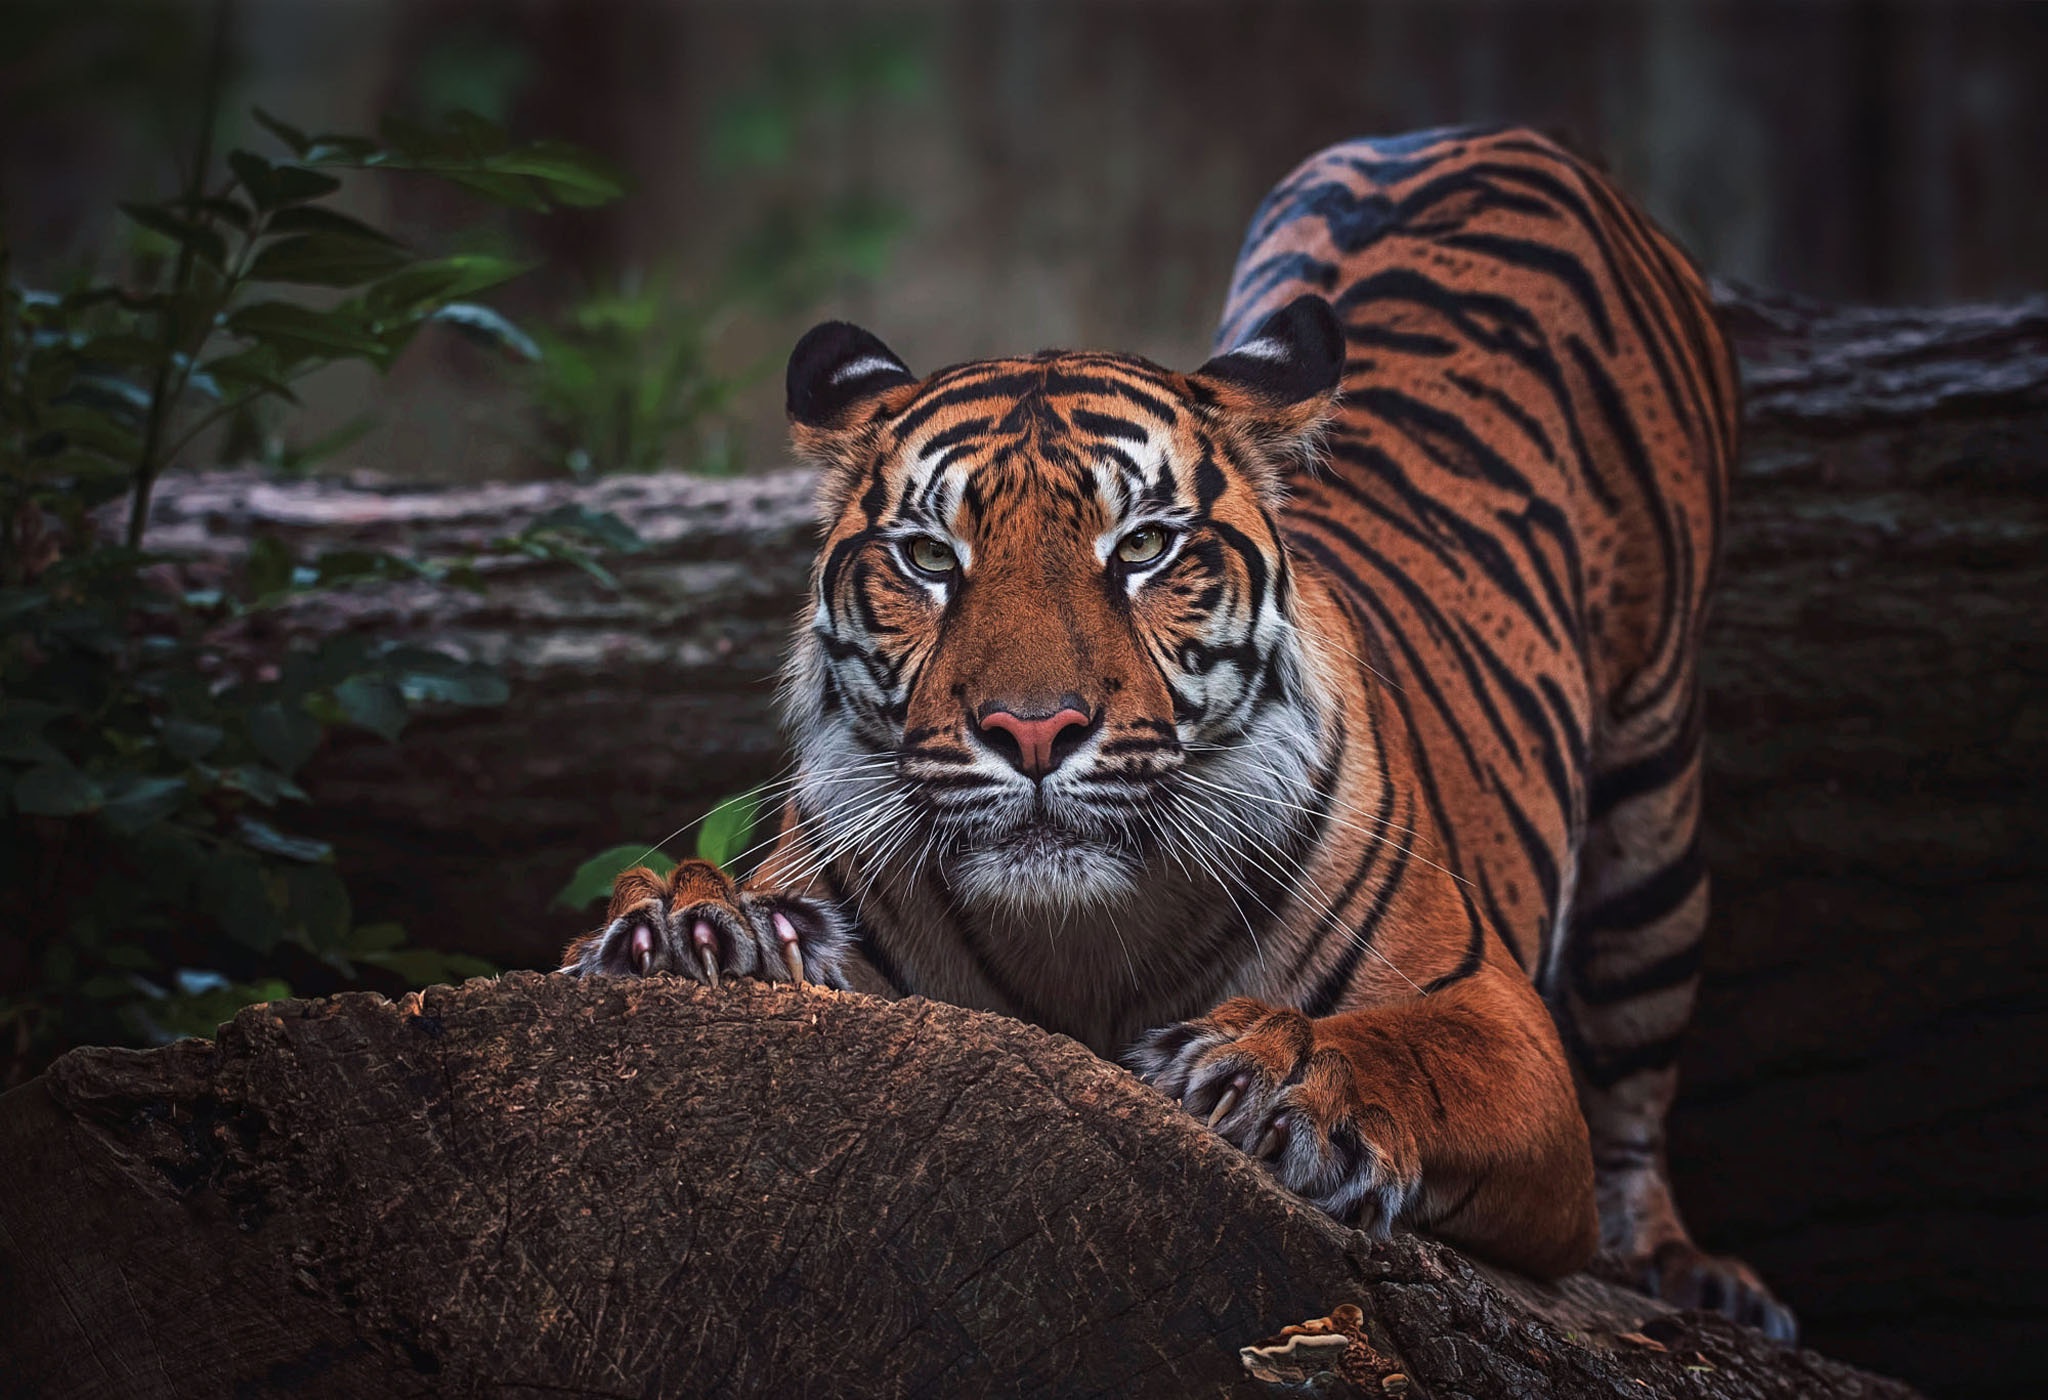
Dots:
(1866, 1080)
(538, 1185)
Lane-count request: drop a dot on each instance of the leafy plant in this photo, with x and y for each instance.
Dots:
(637, 375)
(149, 745)
(722, 838)
(625, 381)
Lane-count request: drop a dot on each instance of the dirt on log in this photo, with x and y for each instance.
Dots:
(1870, 1058)
(539, 1185)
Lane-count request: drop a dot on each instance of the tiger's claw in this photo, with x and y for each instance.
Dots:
(705, 939)
(1224, 1104)
(696, 923)
(792, 955)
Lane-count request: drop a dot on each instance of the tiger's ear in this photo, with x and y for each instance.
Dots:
(842, 385)
(834, 371)
(1279, 385)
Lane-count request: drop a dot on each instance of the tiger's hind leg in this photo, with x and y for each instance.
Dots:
(1622, 987)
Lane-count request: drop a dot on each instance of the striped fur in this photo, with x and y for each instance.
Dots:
(1378, 846)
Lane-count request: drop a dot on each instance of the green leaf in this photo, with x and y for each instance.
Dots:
(374, 938)
(56, 790)
(601, 526)
(551, 547)
(250, 372)
(296, 184)
(135, 802)
(373, 703)
(464, 141)
(232, 889)
(125, 350)
(299, 332)
(260, 784)
(17, 603)
(190, 739)
(335, 148)
(722, 837)
(319, 905)
(487, 327)
(205, 244)
(232, 210)
(428, 285)
(341, 566)
(284, 734)
(93, 430)
(326, 260)
(476, 686)
(513, 191)
(269, 567)
(274, 186)
(290, 135)
(313, 218)
(593, 879)
(570, 174)
(262, 836)
(129, 956)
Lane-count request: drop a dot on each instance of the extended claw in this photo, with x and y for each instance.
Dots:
(1231, 1094)
(707, 951)
(792, 956)
(643, 949)
(1269, 1145)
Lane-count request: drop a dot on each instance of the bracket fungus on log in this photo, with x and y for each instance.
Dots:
(543, 1185)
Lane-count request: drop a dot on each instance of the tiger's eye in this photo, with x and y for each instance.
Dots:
(932, 556)
(1142, 546)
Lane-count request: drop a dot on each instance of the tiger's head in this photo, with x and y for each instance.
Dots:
(1053, 636)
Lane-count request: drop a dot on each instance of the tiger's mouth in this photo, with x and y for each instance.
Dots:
(1044, 860)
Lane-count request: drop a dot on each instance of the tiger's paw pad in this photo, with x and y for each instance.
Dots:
(1256, 1077)
(696, 924)
(1685, 1276)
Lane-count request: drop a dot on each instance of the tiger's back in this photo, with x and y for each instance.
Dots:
(1521, 495)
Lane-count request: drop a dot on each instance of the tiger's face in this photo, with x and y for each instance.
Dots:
(1052, 627)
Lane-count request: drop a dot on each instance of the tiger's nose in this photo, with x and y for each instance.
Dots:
(1035, 744)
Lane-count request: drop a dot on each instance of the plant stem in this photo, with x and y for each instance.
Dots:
(162, 396)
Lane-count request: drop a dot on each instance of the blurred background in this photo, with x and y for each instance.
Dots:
(997, 177)
(983, 178)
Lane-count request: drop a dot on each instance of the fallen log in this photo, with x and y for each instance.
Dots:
(538, 1185)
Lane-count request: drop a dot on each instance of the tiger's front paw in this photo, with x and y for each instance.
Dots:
(1258, 1077)
(698, 924)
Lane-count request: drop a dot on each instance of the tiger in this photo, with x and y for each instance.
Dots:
(1319, 731)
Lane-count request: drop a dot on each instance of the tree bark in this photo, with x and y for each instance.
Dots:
(1867, 1060)
(539, 1185)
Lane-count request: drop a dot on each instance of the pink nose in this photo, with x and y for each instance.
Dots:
(1035, 737)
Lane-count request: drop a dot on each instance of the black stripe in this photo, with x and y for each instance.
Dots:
(1604, 1071)
(1541, 257)
(1650, 774)
(1637, 460)
(1475, 950)
(1644, 904)
(1672, 970)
